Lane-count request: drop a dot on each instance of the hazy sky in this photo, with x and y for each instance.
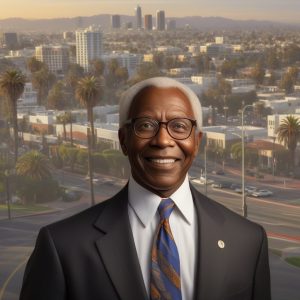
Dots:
(281, 10)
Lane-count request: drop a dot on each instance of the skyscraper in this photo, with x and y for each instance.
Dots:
(116, 21)
(138, 17)
(89, 46)
(10, 40)
(148, 22)
(160, 20)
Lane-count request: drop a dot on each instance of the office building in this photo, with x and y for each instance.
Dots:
(138, 17)
(171, 25)
(55, 57)
(89, 46)
(160, 20)
(115, 21)
(10, 40)
(148, 22)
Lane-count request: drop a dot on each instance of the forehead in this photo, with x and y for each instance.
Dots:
(155, 99)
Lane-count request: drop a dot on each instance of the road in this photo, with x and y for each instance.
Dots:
(281, 221)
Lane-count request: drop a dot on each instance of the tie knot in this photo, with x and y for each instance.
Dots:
(165, 208)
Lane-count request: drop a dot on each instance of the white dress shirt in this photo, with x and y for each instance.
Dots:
(144, 220)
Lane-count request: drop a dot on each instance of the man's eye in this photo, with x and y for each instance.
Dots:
(179, 126)
(145, 126)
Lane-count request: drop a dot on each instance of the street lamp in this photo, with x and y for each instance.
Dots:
(244, 205)
(205, 169)
(7, 187)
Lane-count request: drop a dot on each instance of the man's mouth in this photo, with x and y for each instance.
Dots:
(162, 160)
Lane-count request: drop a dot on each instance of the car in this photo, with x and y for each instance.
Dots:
(250, 173)
(221, 185)
(95, 180)
(262, 193)
(218, 172)
(248, 189)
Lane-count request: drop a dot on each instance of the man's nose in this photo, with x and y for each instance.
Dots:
(162, 138)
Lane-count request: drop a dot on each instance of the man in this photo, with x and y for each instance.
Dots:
(158, 238)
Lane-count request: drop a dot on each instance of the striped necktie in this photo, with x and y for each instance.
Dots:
(165, 268)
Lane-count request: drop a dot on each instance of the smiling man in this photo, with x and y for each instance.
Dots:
(158, 238)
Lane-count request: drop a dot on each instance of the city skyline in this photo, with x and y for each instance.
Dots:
(275, 10)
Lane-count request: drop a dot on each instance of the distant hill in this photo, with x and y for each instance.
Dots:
(65, 24)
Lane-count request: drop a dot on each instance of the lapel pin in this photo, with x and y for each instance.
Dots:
(221, 244)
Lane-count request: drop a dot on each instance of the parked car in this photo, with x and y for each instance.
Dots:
(250, 173)
(262, 193)
(221, 185)
(218, 172)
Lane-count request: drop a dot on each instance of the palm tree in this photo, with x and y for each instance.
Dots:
(88, 92)
(12, 84)
(64, 119)
(34, 165)
(288, 133)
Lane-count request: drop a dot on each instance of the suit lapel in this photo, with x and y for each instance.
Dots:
(211, 264)
(117, 249)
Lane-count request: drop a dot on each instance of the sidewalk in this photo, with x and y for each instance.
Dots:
(53, 207)
(270, 180)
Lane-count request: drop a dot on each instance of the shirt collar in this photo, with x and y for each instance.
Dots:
(145, 203)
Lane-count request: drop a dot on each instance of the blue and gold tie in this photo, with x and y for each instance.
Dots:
(165, 269)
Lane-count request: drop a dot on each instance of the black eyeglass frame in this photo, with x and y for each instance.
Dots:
(132, 121)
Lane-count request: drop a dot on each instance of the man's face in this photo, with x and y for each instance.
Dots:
(160, 163)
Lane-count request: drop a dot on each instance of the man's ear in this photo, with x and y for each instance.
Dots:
(122, 139)
(198, 138)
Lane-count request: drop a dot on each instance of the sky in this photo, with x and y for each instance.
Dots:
(276, 10)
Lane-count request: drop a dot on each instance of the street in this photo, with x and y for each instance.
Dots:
(278, 216)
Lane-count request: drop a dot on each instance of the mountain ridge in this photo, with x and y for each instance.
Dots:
(197, 22)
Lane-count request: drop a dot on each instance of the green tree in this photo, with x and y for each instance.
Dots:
(34, 165)
(12, 84)
(57, 97)
(42, 81)
(89, 91)
(289, 79)
(288, 133)
(74, 74)
(34, 65)
(64, 119)
(258, 73)
(97, 67)
(228, 69)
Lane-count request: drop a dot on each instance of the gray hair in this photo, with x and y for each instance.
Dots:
(159, 82)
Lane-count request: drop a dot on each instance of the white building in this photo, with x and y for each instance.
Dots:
(288, 105)
(29, 96)
(130, 61)
(275, 120)
(55, 57)
(205, 81)
(89, 46)
(224, 136)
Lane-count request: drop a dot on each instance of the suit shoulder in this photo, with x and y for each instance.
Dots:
(228, 217)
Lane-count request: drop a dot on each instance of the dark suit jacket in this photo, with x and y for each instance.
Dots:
(92, 256)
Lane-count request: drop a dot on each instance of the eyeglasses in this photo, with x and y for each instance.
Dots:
(147, 128)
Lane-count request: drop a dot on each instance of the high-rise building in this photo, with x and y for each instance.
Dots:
(148, 22)
(10, 40)
(55, 57)
(138, 17)
(89, 46)
(115, 21)
(160, 20)
(171, 25)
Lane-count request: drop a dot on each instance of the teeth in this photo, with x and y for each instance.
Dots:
(162, 161)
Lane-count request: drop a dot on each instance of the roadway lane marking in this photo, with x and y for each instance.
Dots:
(284, 237)
(2, 291)
(259, 200)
